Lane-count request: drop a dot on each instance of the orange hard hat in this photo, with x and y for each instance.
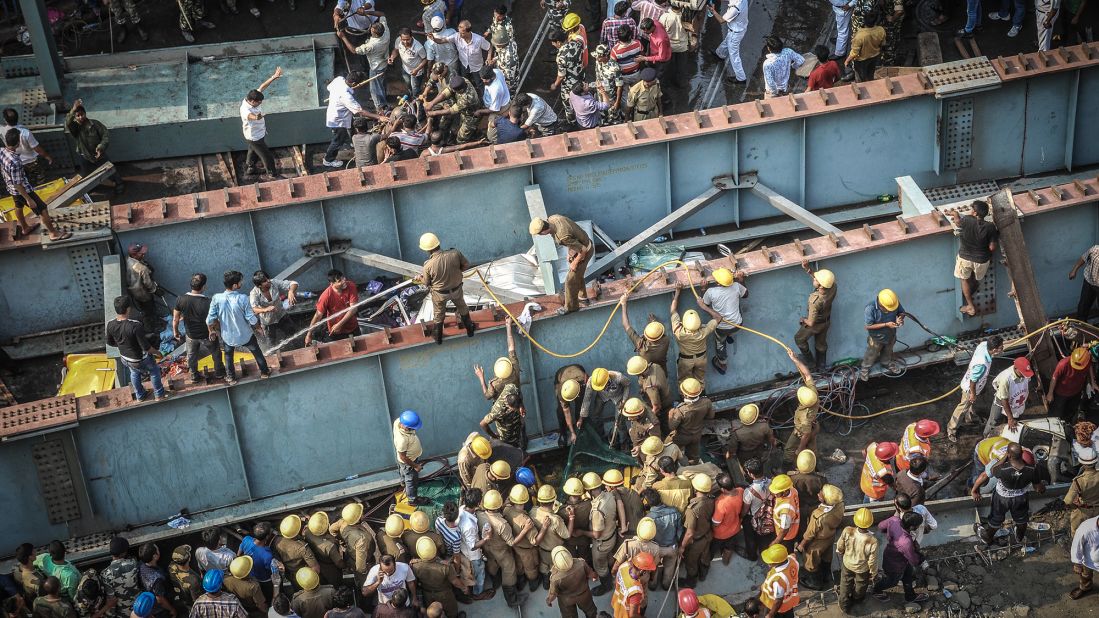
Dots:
(644, 561)
(688, 602)
(926, 428)
(885, 450)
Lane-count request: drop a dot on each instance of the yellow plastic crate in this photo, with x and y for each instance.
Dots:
(86, 374)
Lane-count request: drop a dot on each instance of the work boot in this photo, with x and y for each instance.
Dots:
(206, 24)
(141, 33)
(187, 36)
(985, 533)
(688, 582)
(511, 596)
(438, 332)
(703, 572)
(469, 324)
(533, 585)
(1020, 533)
(604, 586)
(120, 36)
(545, 580)
(822, 362)
(810, 579)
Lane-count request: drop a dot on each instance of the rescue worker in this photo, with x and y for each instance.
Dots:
(1082, 497)
(779, 592)
(436, 577)
(669, 530)
(1011, 495)
(807, 483)
(686, 420)
(691, 336)
(214, 602)
(568, 234)
(973, 382)
(553, 532)
(883, 315)
(186, 583)
(493, 476)
(653, 384)
(325, 547)
(820, 532)
(390, 541)
(916, 441)
(630, 509)
(358, 541)
(509, 414)
(569, 384)
(461, 101)
(653, 343)
(643, 542)
(245, 587)
(722, 302)
(523, 531)
(603, 387)
(630, 596)
(786, 512)
(674, 490)
(291, 551)
(859, 548)
(643, 98)
(568, 584)
(501, 34)
(577, 514)
(406, 445)
(640, 424)
(419, 527)
(806, 426)
(748, 439)
(498, 539)
(313, 600)
(1066, 386)
(443, 276)
(570, 54)
(878, 474)
(652, 449)
(1010, 389)
(987, 453)
(605, 524)
(474, 454)
(815, 324)
(505, 370)
(694, 550)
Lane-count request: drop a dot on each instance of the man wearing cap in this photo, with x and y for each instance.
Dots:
(1010, 389)
(142, 287)
(358, 540)
(185, 584)
(475, 453)
(510, 415)
(883, 316)
(859, 548)
(242, 585)
(807, 482)
(569, 383)
(640, 424)
(390, 539)
(748, 439)
(877, 470)
(463, 102)
(820, 531)
(439, 48)
(407, 446)
(603, 387)
(691, 337)
(652, 449)
(652, 345)
(292, 552)
(643, 541)
(119, 579)
(313, 600)
(816, 323)
(694, 550)
(1015, 476)
(779, 592)
(916, 442)
(216, 603)
(501, 34)
(443, 275)
(568, 234)
(1082, 497)
(498, 540)
(436, 577)
(609, 83)
(505, 370)
(686, 420)
(630, 582)
(653, 383)
(722, 302)
(495, 476)
(568, 584)
(1066, 386)
(973, 382)
(643, 98)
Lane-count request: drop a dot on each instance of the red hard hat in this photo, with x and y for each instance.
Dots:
(1028, 457)
(644, 561)
(926, 428)
(885, 450)
(688, 601)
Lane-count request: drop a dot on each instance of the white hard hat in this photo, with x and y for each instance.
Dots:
(437, 23)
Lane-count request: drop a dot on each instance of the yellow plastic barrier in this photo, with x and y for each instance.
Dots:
(46, 192)
(86, 374)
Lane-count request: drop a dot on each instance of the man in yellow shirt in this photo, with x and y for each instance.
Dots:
(866, 48)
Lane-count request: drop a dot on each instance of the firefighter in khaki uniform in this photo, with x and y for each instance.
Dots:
(653, 383)
(640, 424)
(786, 511)
(436, 577)
(552, 530)
(749, 439)
(568, 584)
(820, 532)
(443, 276)
(496, 534)
(807, 484)
(577, 514)
(313, 600)
(1083, 493)
(358, 541)
(859, 548)
(629, 501)
(685, 421)
(877, 470)
(815, 324)
(569, 235)
(389, 539)
(653, 344)
(604, 530)
(245, 587)
(523, 531)
(419, 525)
(691, 337)
(630, 582)
(505, 370)
(694, 550)
(568, 386)
(806, 427)
(474, 454)
(491, 476)
(292, 552)
(643, 542)
(652, 449)
(779, 592)
(325, 547)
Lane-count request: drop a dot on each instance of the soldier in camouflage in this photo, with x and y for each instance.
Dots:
(502, 36)
(191, 13)
(119, 579)
(463, 102)
(611, 85)
(557, 9)
(185, 585)
(570, 68)
(125, 13)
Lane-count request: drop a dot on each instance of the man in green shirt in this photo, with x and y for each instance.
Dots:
(53, 564)
(91, 139)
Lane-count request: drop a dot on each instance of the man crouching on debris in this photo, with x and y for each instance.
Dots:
(1011, 495)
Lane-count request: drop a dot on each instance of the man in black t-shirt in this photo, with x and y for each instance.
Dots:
(977, 243)
(1015, 475)
(128, 335)
(191, 309)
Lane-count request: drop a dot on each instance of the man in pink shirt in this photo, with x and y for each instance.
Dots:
(660, 47)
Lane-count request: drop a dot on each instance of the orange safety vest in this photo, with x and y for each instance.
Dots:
(625, 587)
(872, 471)
(786, 577)
(911, 445)
(788, 506)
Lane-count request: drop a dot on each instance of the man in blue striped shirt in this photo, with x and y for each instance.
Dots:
(232, 320)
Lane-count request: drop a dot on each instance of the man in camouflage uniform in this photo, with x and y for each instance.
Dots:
(119, 581)
(557, 9)
(125, 13)
(186, 585)
(501, 35)
(570, 68)
(191, 13)
(611, 86)
(463, 103)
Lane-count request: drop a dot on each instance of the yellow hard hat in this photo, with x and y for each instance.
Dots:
(418, 521)
(425, 548)
(502, 368)
(561, 557)
(780, 484)
(592, 480)
(702, 483)
(1080, 358)
(599, 378)
(307, 578)
(318, 523)
(775, 554)
(429, 241)
(537, 225)
(394, 526)
(652, 446)
(646, 529)
(613, 478)
(352, 513)
(749, 414)
(888, 299)
(807, 461)
(633, 408)
(574, 487)
(570, 21)
(691, 321)
(519, 494)
(481, 447)
(570, 389)
(241, 566)
(546, 493)
(500, 469)
(832, 495)
(807, 396)
(654, 331)
(492, 500)
(724, 277)
(636, 365)
(863, 518)
(690, 387)
(825, 278)
(290, 526)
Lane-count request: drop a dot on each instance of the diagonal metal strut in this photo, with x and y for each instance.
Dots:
(791, 209)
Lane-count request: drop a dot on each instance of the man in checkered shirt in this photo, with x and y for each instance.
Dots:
(21, 190)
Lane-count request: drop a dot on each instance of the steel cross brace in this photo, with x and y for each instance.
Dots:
(791, 209)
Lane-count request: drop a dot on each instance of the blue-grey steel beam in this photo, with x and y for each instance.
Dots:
(45, 48)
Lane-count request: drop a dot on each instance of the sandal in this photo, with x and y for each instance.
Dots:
(62, 236)
(1077, 593)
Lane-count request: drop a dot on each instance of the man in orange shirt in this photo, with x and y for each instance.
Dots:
(786, 513)
(877, 471)
(631, 586)
(726, 519)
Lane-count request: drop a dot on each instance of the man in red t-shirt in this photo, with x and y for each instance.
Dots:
(826, 73)
(726, 519)
(1067, 384)
(340, 294)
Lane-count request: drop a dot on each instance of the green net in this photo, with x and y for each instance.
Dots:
(439, 491)
(591, 453)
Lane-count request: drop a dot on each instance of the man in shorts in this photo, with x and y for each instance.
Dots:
(978, 241)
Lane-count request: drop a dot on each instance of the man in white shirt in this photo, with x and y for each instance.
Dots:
(735, 19)
(342, 106)
(360, 14)
(413, 60)
(1009, 394)
(470, 46)
(538, 115)
(376, 51)
(1084, 553)
(255, 130)
(777, 66)
(389, 576)
(471, 537)
(445, 53)
(973, 382)
(29, 150)
(680, 41)
(722, 301)
(496, 98)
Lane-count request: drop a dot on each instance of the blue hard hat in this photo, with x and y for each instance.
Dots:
(211, 582)
(525, 476)
(143, 604)
(411, 420)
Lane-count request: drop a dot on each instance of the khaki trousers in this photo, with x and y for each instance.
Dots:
(439, 302)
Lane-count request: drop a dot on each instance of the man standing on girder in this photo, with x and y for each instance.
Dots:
(977, 238)
(568, 234)
(815, 324)
(444, 277)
